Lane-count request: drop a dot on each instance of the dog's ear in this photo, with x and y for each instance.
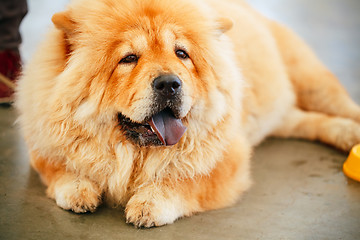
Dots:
(224, 24)
(64, 22)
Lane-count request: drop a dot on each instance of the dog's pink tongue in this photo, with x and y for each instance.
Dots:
(167, 128)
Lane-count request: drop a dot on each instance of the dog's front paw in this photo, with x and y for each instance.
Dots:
(80, 196)
(152, 211)
(141, 214)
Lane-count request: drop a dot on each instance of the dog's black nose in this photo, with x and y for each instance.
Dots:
(167, 85)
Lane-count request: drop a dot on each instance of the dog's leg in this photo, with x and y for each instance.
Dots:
(70, 192)
(317, 89)
(342, 133)
(163, 202)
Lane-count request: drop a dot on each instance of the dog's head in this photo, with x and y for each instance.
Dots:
(152, 63)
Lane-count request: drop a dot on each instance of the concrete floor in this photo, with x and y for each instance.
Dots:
(300, 191)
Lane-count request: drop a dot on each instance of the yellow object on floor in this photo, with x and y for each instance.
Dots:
(351, 166)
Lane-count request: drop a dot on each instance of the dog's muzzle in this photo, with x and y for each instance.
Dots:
(163, 126)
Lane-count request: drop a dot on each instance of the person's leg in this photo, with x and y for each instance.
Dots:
(11, 14)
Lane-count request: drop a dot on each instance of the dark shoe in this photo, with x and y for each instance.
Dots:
(10, 65)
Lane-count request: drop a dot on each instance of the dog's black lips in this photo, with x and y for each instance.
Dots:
(162, 128)
(139, 133)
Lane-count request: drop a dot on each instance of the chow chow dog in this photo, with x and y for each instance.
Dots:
(154, 105)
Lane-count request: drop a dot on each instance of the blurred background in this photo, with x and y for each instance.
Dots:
(299, 192)
(36, 23)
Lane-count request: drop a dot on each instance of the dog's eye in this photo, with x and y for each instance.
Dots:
(181, 54)
(130, 59)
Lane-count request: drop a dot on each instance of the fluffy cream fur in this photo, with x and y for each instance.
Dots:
(246, 78)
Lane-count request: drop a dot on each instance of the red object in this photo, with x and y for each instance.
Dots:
(10, 64)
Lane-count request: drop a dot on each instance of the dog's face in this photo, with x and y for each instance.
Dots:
(145, 62)
(153, 84)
